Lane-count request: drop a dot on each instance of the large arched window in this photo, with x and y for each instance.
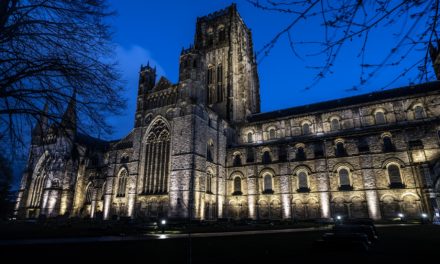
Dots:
(237, 186)
(157, 158)
(334, 124)
(122, 183)
(266, 157)
(209, 177)
(267, 184)
(394, 176)
(303, 183)
(419, 112)
(344, 180)
(380, 118)
(250, 137)
(37, 191)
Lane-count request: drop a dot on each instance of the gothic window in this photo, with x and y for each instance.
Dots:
(210, 152)
(89, 194)
(37, 191)
(157, 158)
(237, 186)
(221, 34)
(334, 123)
(210, 37)
(388, 145)
(122, 183)
(210, 76)
(211, 87)
(303, 183)
(344, 180)
(209, 177)
(380, 118)
(219, 83)
(125, 159)
(394, 176)
(340, 150)
(237, 160)
(300, 154)
(250, 137)
(419, 112)
(267, 181)
(272, 133)
(306, 129)
(266, 157)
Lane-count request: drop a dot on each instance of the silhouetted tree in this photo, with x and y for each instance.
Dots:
(6, 201)
(413, 23)
(50, 52)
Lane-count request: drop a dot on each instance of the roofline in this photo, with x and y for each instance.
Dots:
(347, 101)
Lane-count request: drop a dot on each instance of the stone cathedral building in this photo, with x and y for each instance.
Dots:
(202, 148)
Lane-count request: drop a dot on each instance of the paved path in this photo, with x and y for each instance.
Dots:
(163, 236)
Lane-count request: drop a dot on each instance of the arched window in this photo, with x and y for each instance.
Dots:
(380, 118)
(237, 186)
(303, 184)
(419, 112)
(394, 176)
(266, 157)
(340, 150)
(300, 154)
(306, 129)
(237, 160)
(272, 133)
(344, 180)
(219, 83)
(267, 180)
(157, 158)
(89, 194)
(221, 34)
(388, 145)
(209, 152)
(250, 137)
(122, 183)
(37, 191)
(211, 88)
(209, 177)
(334, 123)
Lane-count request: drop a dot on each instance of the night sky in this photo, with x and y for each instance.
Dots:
(156, 31)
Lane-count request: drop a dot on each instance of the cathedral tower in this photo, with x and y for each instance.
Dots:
(231, 82)
(147, 80)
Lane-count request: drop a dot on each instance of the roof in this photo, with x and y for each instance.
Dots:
(349, 101)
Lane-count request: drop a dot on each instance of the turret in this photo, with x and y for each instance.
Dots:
(40, 127)
(68, 122)
(147, 79)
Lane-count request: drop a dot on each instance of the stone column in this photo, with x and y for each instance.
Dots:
(285, 190)
(252, 192)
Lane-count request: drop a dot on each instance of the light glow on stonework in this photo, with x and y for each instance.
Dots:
(372, 203)
(325, 205)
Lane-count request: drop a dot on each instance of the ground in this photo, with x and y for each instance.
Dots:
(396, 244)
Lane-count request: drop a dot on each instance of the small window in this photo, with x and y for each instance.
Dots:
(306, 129)
(344, 180)
(209, 152)
(268, 183)
(266, 157)
(388, 145)
(209, 182)
(340, 150)
(300, 154)
(303, 185)
(363, 145)
(122, 183)
(250, 137)
(272, 133)
(419, 112)
(237, 186)
(335, 124)
(394, 176)
(237, 160)
(380, 118)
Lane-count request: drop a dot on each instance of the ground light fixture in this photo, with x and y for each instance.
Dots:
(338, 217)
(163, 222)
(424, 215)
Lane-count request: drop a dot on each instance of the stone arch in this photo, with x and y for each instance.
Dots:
(389, 206)
(298, 209)
(358, 207)
(398, 161)
(410, 205)
(339, 207)
(265, 185)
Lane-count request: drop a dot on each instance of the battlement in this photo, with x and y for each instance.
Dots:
(220, 13)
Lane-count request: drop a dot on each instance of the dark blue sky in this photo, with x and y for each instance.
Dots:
(157, 31)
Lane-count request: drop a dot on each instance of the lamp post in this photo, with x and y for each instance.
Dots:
(163, 224)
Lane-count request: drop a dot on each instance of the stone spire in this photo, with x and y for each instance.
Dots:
(435, 57)
(68, 122)
(41, 126)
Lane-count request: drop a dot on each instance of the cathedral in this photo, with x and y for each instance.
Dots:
(201, 148)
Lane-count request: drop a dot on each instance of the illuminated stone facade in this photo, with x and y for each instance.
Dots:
(202, 147)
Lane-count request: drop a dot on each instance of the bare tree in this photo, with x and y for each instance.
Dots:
(53, 52)
(413, 24)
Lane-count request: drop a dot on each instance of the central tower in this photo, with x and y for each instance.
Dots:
(226, 61)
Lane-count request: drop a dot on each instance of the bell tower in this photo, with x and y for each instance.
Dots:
(231, 84)
(147, 80)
